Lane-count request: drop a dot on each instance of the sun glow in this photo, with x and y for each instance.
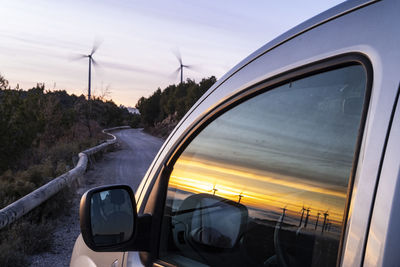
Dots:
(259, 190)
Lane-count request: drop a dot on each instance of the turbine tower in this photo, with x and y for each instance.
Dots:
(91, 60)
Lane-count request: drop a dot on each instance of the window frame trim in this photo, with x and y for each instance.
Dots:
(314, 68)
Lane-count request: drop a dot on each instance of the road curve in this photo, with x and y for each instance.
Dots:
(126, 165)
(129, 164)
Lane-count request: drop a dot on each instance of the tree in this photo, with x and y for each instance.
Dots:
(172, 101)
(3, 83)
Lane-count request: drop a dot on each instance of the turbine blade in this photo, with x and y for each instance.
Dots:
(195, 68)
(125, 67)
(177, 54)
(96, 45)
(94, 62)
(77, 57)
(175, 73)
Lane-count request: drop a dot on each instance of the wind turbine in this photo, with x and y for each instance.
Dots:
(181, 65)
(240, 196)
(91, 61)
(326, 214)
(214, 189)
(308, 215)
(302, 215)
(316, 223)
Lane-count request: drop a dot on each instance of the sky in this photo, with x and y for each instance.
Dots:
(40, 41)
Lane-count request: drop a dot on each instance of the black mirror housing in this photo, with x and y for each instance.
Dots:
(109, 220)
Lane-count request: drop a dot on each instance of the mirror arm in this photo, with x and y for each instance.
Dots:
(141, 241)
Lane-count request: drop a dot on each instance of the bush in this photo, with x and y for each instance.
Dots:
(135, 121)
(174, 100)
(20, 239)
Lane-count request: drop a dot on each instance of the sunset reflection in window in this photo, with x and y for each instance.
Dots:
(286, 155)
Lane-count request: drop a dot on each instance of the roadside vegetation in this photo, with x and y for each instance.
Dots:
(41, 134)
(161, 111)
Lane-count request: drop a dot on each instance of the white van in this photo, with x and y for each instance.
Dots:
(290, 159)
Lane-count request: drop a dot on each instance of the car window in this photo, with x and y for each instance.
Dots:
(265, 183)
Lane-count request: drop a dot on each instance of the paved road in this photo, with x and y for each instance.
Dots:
(126, 165)
(129, 164)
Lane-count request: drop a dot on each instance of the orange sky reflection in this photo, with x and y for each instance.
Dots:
(259, 189)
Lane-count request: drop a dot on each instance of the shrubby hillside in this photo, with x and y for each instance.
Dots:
(161, 111)
(42, 131)
(41, 134)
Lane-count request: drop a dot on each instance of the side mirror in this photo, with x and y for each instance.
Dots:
(108, 217)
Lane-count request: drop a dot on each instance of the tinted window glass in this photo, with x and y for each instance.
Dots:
(281, 162)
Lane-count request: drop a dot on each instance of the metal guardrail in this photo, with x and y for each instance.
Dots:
(27, 203)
